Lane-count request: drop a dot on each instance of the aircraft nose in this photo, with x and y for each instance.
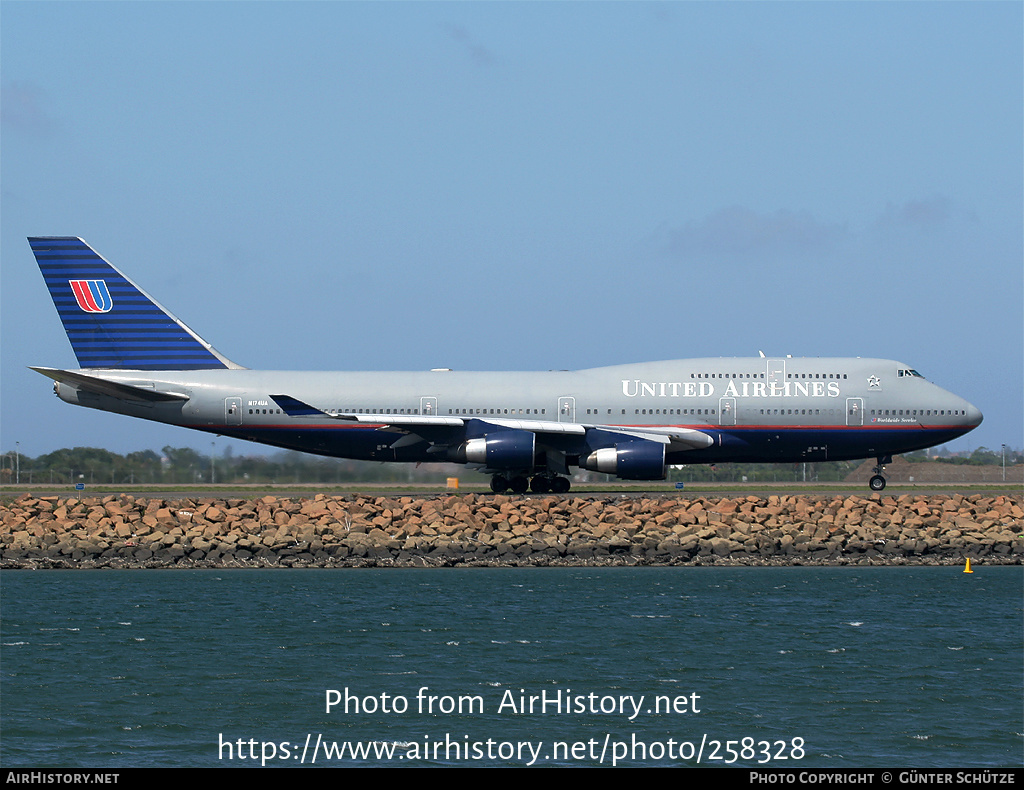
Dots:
(974, 415)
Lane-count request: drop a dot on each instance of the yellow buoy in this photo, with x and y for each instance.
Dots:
(967, 567)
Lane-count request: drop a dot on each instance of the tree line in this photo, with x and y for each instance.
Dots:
(187, 466)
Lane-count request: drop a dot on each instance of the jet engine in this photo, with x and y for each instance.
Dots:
(512, 449)
(636, 460)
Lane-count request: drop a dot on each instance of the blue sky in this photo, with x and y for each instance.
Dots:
(510, 186)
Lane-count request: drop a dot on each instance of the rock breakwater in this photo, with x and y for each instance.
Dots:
(485, 530)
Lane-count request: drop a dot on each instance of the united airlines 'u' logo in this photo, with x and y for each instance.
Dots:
(92, 295)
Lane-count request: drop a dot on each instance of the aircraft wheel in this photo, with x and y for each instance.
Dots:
(876, 483)
(560, 485)
(499, 485)
(540, 485)
(519, 484)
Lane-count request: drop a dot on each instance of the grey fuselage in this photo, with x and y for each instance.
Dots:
(753, 409)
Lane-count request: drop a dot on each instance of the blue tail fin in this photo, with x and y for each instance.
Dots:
(110, 321)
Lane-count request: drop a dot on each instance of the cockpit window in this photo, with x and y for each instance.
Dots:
(908, 372)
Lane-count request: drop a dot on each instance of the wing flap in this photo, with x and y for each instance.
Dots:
(538, 426)
(679, 438)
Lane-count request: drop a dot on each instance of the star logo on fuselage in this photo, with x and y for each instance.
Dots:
(874, 382)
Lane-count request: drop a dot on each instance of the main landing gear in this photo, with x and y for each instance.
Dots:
(540, 484)
(517, 485)
(877, 482)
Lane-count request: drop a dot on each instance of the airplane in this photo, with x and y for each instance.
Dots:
(524, 429)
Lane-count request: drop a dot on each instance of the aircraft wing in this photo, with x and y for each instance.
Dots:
(293, 407)
(296, 408)
(679, 438)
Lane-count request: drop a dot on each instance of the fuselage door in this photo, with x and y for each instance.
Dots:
(727, 411)
(428, 406)
(854, 411)
(567, 409)
(776, 373)
(232, 411)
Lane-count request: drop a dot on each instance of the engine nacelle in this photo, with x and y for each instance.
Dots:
(637, 460)
(512, 450)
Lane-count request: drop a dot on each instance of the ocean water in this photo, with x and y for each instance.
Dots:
(774, 667)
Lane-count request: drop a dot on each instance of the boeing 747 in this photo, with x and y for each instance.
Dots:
(527, 430)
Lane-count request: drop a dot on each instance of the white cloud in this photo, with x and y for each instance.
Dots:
(740, 231)
(22, 108)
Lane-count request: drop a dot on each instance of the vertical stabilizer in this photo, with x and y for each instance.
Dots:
(110, 321)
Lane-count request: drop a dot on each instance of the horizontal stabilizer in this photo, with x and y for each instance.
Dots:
(114, 389)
